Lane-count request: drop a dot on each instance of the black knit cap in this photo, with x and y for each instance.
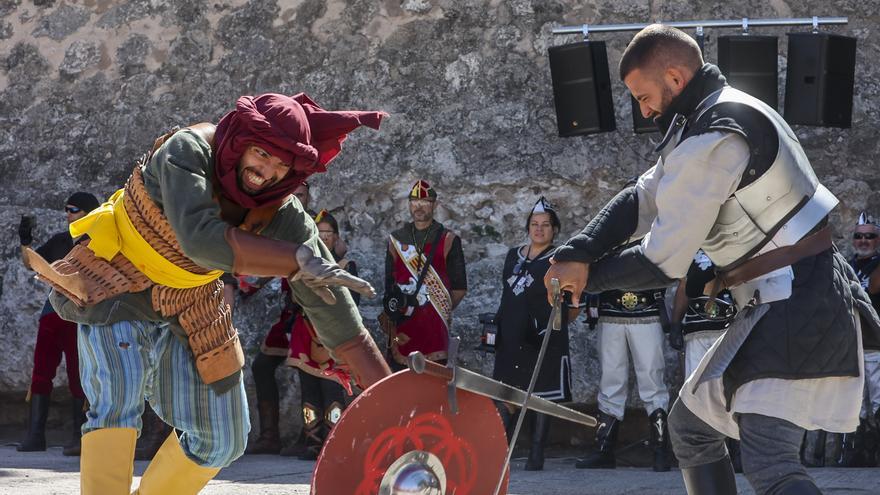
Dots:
(83, 200)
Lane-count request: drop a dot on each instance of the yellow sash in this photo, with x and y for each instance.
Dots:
(111, 232)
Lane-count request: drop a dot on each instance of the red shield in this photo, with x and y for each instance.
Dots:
(408, 412)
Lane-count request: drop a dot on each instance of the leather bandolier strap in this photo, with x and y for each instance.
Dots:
(204, 316)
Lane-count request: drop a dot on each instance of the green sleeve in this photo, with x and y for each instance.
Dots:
(334, 323)
(178, 178)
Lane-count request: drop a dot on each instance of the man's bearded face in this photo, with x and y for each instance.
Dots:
(863, 244)
(422, 210)
(651, 91)
(258, 170)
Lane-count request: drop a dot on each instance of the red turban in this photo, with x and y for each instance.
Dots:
(286, 127)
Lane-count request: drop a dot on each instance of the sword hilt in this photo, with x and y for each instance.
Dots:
(419, 364)
(557, 304)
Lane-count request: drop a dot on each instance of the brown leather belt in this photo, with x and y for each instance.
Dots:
(763, 264)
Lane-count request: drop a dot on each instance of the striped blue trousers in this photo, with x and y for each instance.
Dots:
(124, 363)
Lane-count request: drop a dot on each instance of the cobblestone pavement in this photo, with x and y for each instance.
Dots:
(47, 473)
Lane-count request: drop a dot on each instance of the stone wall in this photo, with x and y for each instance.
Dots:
(85, 87)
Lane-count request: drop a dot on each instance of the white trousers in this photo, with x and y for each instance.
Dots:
(872, 384)
(696, 345)
(644, 341)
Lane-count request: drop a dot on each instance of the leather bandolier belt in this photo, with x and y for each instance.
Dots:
(763, 264)
(87, 279)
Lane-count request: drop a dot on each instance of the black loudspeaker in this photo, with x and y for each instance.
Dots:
(641, 125)
(819, 81)
(581, 88)
(750, 64)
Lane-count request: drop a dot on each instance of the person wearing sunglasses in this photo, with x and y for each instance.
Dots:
(146, 290)
(859, 448)
(425, 279)
(522, 319)
(55, 337)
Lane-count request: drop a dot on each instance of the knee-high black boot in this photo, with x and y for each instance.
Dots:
(799, 487)
(35, 441)
(715, 478)
(78, 417)
(507, 418)
(606, 438)
(540, 429)
(660, 440)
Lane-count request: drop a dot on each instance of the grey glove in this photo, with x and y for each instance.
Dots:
(319, 275)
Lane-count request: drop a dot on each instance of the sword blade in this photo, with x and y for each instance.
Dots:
(481, 385)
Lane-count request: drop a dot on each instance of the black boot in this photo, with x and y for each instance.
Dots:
(735, 455)
(35, 441)
(799, 487)
(78, 417)
(297, 448)
(507, 419)
(813, 449)
(540, 429)
(315, 432)
(269, 441)
(851, 447)
(606, 438)
(710, 479)
(660, 440)
(153, 434)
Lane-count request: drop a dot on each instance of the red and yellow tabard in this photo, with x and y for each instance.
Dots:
(427, 329)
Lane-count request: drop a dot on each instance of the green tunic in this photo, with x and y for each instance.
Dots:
(178, 179)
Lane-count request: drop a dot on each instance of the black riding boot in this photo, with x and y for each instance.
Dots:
(540, 429)
(78, 417)
(507, 419)
(799, 487)
(35, 441)
(660, 441)
(715, 478)
(315, 431)
(606, 438)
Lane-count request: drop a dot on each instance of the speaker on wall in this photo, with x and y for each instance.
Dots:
(641, 125)
(819, 80)
(581, 88)
(750, 64)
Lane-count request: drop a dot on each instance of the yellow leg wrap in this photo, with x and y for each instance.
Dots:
(171, 471)
(107, 461)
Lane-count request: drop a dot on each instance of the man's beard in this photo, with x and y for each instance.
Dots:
(865, 252)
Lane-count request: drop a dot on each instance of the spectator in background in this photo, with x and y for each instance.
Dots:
(860, 448)
(629, 324)
(323, 384)
(424, 281)
(54, 338)
(522, 320)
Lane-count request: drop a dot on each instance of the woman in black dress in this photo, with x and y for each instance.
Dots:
(522, 318)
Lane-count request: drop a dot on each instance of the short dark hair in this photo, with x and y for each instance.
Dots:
(660, 46)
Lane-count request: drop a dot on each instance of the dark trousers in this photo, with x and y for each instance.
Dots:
(54, 338)
(319, 392)
(770, 447)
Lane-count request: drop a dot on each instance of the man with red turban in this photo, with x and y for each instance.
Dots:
(146, 290)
